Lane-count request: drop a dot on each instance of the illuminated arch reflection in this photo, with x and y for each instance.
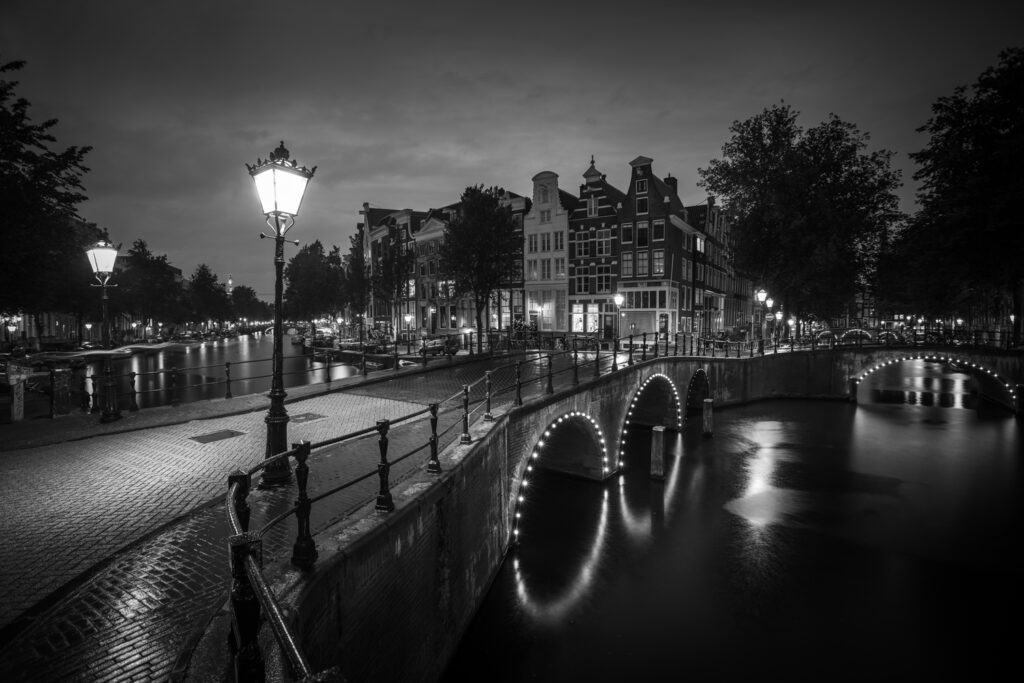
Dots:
(629, 412)
(867, 372)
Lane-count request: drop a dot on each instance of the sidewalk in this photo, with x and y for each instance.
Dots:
(114, 544)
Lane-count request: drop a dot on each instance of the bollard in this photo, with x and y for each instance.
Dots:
(245, 608)
(227, 379)
(519, 383)
(133, 404)
(17, 400)
(433, 465)
(658, 453)
(384, 500)
(708, 416)
(304, 551)
(487, 387)
(465, 438)
(852, 382)
(60, 391)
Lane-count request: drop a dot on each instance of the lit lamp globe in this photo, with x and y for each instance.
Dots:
(778, 315)
(769, 302)
(618, 299)
(761, 295)
(101, 258)
(280, 184)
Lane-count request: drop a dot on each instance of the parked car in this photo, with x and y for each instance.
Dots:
(439, 345)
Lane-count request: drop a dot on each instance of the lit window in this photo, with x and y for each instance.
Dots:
(658, 262)
(559, 268)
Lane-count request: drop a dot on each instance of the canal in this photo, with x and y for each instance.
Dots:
(804, 541)
(201, 375)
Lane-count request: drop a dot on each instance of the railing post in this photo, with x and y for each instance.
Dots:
(597, 360)
(447, 347)
(675, 339)
(692, 340)
(575, 364)
(95, 393)
(85, 391)
(470, 343)
(304, 551)
(519, 383)
(423, 352)
(657, 341)
(643, 355)
(488, 417)
(433, 465)
(241, 502)
(630, 350)
(227, 379)
(384, 500)
(133, 404)
(615, 355)
(714, 348)
(396, 354)
(551, 361)
(362, 352)
(245, 608)
(751, 349)
(174, 385)
(465, 438)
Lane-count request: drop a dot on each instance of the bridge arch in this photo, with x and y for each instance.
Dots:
(698, 390)
(561, 429)
(1007, 390)
(649, 407)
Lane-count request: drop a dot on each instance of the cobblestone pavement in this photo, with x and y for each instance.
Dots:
(114, 546)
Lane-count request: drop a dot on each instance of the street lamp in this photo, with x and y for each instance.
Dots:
(280, 184)
(101, 258)
(778, 321)
(408, 337)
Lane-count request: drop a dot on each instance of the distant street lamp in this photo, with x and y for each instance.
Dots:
(408, 336)
(778, 321)
(280, 183)
(88, 330)
(101, 258)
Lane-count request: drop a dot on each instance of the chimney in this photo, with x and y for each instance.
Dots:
(673, 183)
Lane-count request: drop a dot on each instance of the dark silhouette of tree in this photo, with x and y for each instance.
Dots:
(148, 285)
(962, 251)
(357, 282)
(207, 298)
(245, 304)
(40, 190)
(313, 283)
(478, 250)
(810, 209)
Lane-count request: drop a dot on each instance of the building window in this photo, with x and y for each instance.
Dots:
(559, 240)
(700, 272)
(641, 205)
(531, 269)
(560, 301)
(559, 268)
(604, 243)
(627, 233)
(531, 244)
(545, 269)
(641, 264)
(591, 207)
(582, 244)
(626, 267)
(641, 234)
(517, 220)
(641, 185)
(699, 244)
(545, 216)
(423, 269)
(659, 230)
(582, 280)
(432, 268)
(544, 197)
(604, 279)
(545, 241)
(658, 262)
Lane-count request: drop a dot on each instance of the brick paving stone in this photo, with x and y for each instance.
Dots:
(128, 619)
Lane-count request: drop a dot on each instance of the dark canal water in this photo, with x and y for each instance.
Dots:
(804, 541)
(201, 373)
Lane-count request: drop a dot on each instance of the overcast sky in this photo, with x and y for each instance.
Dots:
(404, 104)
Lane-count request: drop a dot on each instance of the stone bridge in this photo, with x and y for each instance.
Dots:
(392, 594)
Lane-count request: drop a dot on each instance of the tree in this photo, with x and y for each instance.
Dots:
(966, 241)
(246, 304)
(313, 282)
(148, 286)
(357, 281)
(40, 190)
(478, 250)
(810, 209)
(207, 299)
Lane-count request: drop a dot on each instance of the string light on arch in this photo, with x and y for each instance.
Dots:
(632, 405)
(864, 374)
(535, 454)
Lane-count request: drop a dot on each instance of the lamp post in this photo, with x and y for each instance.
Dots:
(280, 184)
(408, 338)
(761, 295)
(101, 258)
(778, 321)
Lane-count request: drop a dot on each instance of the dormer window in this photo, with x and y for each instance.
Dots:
(641, 185)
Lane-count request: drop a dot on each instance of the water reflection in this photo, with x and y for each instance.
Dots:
(200, 370)
(923, 383)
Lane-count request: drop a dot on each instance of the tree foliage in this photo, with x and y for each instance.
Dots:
(40, 190)
(207, 297)
(479, 248)
(246, 304)
(357, 281)
(148, 285)
(313, 283)
(810, 209)
(962, 250)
